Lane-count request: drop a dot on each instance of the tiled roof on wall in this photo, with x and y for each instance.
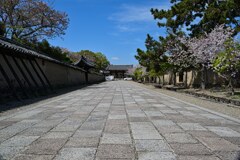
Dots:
(23, 51)
(84, 62)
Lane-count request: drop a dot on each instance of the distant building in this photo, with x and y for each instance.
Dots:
(119, 71)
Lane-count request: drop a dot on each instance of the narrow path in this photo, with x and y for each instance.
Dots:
(117, 121)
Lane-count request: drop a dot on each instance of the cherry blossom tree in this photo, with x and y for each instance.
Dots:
(207, 47)
(181, 59)
(31, 19)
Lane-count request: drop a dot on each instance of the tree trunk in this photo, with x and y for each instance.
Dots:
(214, 79)
(174, 78)
(163, 80)
(185, 82)
(230, 85)
(159, 80)
(203, 77)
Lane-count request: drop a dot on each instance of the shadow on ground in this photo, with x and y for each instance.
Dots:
(12, 103)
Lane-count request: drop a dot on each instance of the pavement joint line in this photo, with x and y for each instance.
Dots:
(38, 122)
(158, 132)
(174, 132)
(95, 155)
(139, 104)
(214, 153)
(164, 139)
(32, 126)
(205, 109)
(130, 130)
(210, 111)
(75, 131)
(19, 133)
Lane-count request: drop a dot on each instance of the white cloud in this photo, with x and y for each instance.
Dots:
(130, 13)
(132, 18)
(115, 58)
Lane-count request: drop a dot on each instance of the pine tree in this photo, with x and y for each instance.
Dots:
(199, 16)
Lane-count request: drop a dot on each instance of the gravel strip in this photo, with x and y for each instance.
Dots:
(227, 109)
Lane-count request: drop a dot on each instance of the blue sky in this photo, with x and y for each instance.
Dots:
(114, 27)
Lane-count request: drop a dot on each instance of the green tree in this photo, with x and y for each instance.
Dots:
(101, 61)
(138, 73)
(75, 56)
(51, 51)
(154, 58)
(199, 15)
(98, 58)
(227, 63)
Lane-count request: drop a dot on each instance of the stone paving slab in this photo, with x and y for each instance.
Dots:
(218, 144)
(115, 151)
(19, 141)
(45, 146)
(76, 154)
(190, 149)
(198, 158)
(33, 157)
(116, 139)
(224, 131)
(156, 156)
(152, 146)
(117, 120)
(179, 138)
(83, 142)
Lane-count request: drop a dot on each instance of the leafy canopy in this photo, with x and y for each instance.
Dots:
(154, 58)
(100, 60)
(138, 73)
(227, 63)
(199, 15)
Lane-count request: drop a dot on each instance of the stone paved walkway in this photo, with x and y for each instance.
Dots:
(117, 121)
